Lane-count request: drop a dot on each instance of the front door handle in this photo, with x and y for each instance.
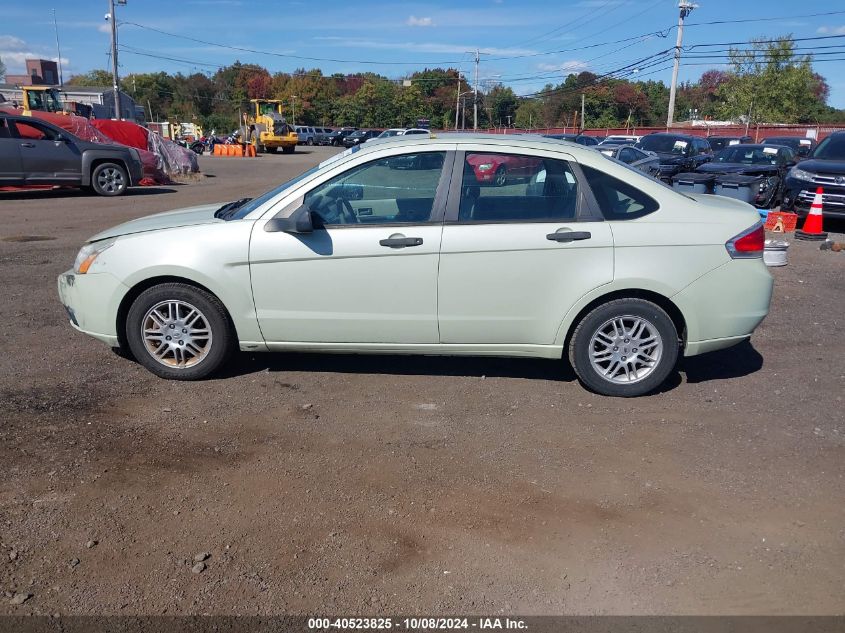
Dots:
(27, 144)
(569, 236)
(401, 242)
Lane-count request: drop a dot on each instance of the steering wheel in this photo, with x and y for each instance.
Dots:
(345, 210)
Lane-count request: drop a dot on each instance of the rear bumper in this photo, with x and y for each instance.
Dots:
(726, 305)
(91, 302)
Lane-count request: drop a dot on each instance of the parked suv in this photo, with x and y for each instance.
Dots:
(825, 167)
(336, 137)
(34, 152)
(678, 152)
(306, 135)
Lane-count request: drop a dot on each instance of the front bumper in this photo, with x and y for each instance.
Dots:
(91, 302)
(798, 197)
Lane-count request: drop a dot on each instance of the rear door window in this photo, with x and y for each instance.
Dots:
(516, 188)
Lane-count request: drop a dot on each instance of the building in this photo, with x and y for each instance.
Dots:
(39, 72)
(99, 99)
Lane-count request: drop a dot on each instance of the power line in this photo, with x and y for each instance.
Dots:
(286, 55)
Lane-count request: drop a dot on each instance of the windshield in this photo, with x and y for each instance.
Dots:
(665, 144)
(253, 204)
(748, 155)
(779, 140)
(387, 133)
(832, 148)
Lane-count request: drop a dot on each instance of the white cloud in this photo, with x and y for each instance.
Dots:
(571, 66)
(14, 52)
(104, 28)
(832, 30)
(415, 21)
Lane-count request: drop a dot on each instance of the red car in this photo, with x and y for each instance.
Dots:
(499, 169)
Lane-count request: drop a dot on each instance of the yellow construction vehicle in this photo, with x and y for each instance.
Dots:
(266, 128)
(48, 99)
(41, 99)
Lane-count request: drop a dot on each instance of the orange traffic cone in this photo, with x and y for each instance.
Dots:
(812, 229)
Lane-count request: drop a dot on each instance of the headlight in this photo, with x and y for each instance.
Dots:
(800, 174)
(88, 253)
(485, 166)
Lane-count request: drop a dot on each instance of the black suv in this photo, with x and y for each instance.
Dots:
(825, 167)
(359, 136)
(678, 152)
(34, 152)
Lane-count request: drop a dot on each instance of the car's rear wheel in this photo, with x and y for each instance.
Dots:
(109, 179)
(625, 347)
(178, 331)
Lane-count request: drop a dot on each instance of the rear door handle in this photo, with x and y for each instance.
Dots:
(569, 236)
(401, 242)
(27, 144)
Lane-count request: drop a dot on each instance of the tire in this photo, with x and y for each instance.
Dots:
(109, 179)
(310, 141)
(501, 176)
(289, 150)
(272, 150)
(594, 334)
(172, 304)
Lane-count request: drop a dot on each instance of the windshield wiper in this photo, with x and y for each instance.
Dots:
(228, 209)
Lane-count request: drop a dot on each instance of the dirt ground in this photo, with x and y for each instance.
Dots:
(343, 484)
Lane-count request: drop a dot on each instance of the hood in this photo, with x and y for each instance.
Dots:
(818, 165)
(736, 168)
(170, 219)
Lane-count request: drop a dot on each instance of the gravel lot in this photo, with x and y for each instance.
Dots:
(342, 484)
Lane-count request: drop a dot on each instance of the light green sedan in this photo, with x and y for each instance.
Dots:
(457, 244)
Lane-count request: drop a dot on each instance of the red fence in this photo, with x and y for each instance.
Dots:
(756, 132)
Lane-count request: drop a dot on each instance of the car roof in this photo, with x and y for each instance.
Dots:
(512, 141)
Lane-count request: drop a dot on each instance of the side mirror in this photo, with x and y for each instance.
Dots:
(300, 221)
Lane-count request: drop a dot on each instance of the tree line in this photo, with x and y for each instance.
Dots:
(767, 82)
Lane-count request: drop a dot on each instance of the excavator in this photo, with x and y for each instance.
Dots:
(267, 130)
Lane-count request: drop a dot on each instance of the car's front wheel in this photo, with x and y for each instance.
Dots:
(109, 179)
(178, 331)
(625, 347)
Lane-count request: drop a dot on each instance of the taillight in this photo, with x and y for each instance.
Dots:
(747, 244)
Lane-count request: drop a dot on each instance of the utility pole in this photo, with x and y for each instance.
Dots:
(113, 20)
(685, 9)
(458, 102)
(582, 111)
(293, 116)
(58, 49)
(475, 98)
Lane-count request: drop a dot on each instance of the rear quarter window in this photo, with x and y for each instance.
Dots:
(618, 200)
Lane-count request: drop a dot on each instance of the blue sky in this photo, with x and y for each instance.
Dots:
(523, 43)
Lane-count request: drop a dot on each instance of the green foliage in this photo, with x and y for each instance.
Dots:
(773, 83)
(94, 78)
